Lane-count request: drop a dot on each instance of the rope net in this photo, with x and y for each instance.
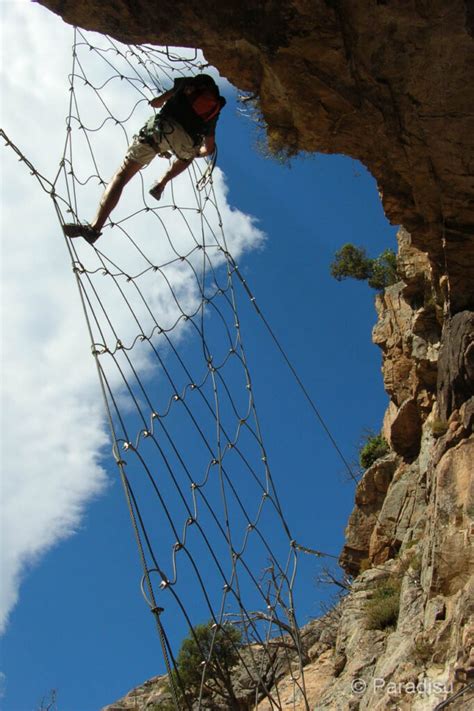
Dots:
(160, 295)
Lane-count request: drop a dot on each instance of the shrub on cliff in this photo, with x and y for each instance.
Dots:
(382, 608)
(375, 446)
(195, 650)
(351, 261)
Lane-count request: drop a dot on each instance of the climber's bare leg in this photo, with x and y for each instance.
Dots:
(113, 191)
(177, 167)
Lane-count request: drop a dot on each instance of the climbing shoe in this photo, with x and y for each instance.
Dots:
(90, 234)
(156, 190)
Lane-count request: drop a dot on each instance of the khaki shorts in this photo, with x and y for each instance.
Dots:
(171, 138)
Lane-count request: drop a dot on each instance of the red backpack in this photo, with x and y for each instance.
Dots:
(206, 104)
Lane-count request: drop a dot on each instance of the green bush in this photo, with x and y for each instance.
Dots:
(439, 427)
(375, 447)
(384, 270)
(351, 261)
(383, 607)
(196, 649)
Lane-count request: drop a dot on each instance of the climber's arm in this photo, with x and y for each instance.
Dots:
(158, 101)
(207, 147)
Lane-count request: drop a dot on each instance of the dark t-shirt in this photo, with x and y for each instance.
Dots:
(180, 109)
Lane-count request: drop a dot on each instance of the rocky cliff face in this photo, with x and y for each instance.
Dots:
(413, 516)
(389, 83)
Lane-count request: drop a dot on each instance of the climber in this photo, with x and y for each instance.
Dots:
(184, 128)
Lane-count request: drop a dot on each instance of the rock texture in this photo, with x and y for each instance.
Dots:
(388, 83)
(456, 363)
(152, 694)
(421, 528)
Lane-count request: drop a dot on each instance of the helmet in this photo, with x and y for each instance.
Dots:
(204, 80)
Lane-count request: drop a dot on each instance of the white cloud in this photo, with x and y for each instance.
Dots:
(53, 428)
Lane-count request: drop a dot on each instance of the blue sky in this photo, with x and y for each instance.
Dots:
(80, 624)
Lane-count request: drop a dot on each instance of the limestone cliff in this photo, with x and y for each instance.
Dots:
(388, 83)
(414, 507)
